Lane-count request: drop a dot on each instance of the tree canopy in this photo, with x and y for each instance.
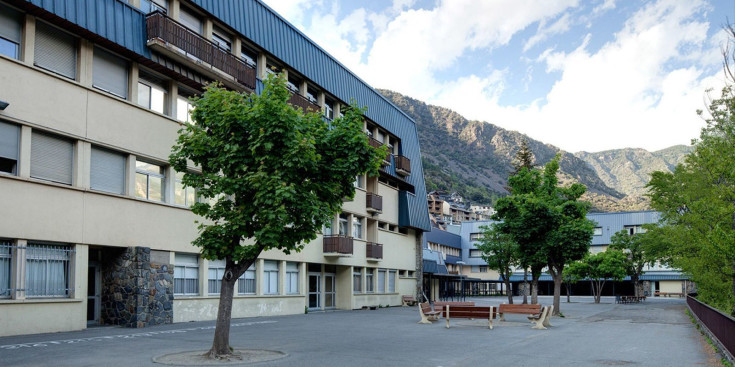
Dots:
(501, 254)
(269, 176)
(636, 252)
(599, 268)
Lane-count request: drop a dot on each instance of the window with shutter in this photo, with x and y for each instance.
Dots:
(190, 20)
(51, 158)
(107, 171)
(55, 50)
(110, 73)
(10, 31)
(9, 138)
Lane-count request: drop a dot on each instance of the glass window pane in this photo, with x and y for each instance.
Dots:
(8, 48)
(141, 185)
(179, 194)
(144, 95)
(156, 189)
(148, 167)
(190, 196)
(158, 100)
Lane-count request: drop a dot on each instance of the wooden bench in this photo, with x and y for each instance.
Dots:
(438, 305)
(427, 314)
(469, 312)
(668, 294)
(540, 316)
(408, 300)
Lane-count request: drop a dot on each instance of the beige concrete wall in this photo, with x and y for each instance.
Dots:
(670, 286)
(370, 299)
(205, 308)
(390, 204)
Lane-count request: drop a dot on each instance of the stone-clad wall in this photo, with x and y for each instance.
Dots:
(135, 291)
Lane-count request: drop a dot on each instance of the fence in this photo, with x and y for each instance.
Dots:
(720, 326)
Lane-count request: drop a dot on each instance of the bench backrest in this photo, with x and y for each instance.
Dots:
(425, 307)
(479, 312)
(440, 305)
(519, 308)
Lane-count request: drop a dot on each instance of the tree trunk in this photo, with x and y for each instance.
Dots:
(557, 291)
(525, 286)
(733, 287)
(636, 291)
(507, 290)
(534, 290)
(569, 291)
(420, 267)
(221, 345)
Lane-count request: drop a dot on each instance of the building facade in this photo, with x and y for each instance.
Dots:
(100, 230)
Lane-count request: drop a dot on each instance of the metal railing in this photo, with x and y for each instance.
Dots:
(46, 269)
(303, 103)
(374, 201)
(374, 250)
(403, 164)
(159, 26)
(720, 325)
(340, 244)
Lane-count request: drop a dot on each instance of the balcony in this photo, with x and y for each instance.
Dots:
(403, 165)
(173, 39)
(375, 143)
(303, 103)
(374, 251)
(374, 202)
(337, 245)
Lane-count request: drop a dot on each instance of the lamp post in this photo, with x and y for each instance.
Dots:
(461, 279)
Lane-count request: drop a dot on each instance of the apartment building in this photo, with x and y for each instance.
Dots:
(96, 225)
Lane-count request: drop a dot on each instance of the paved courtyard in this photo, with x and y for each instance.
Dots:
(655, 333)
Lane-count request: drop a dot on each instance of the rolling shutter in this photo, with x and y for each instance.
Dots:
(190, 21)
(10, 24)
(107, 171)
(9, 137)
(55, 50)
(110, 73)
(51, 158)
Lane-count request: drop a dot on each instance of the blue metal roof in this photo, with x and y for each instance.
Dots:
(124, 25)
(611, 223)
(444, 238)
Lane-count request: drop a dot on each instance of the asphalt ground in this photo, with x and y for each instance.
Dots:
(654, 333)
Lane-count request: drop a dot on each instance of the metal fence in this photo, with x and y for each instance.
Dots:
(45, 269)
(720, 326)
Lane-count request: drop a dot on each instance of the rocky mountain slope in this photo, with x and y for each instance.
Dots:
(474, 158)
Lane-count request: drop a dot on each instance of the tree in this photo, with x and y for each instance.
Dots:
(501, 254)
(524, 159)
(271, 177)
(601, 267)
(636, 255)
(547, 221)
(573, 274)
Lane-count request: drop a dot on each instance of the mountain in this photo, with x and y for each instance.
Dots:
(628, 170)
(474, 159)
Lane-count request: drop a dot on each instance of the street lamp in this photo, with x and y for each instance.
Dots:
(461, 279)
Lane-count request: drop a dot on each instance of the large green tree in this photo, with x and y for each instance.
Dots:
(547, 221)
(271, 177)
(637, 255)
(599, 268)
(501, 254)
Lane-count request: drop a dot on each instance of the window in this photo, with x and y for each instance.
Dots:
(183, 195)
(186, 274)
(357, 280)
(184, 106)
(327, 231)
(149, 6)
(598, 231)
(270, 277)
(381, 281)
(369, 281)
(190, 20)
(216, 271)
(249, 56)
(483, 268)
(9, 148)
(475, 253)
(246, 282)
(110, 73)
(343, 224)
(152, 93)
(271, 69)
(221, 39)
(149, 180)
(329, 108)
(47, 270)
(6, 267)
(55, 50)
(51, 158)
(11, 25)
(311, 94)
(635, 229)
(292, 278)
(107, 172)
(358, 182)
(356, 227)
(476, 236)
(293, 84)
(392, 281)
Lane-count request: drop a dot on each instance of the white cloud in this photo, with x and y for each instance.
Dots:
(560, 26)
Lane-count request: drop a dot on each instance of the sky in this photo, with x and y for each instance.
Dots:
(584, 75)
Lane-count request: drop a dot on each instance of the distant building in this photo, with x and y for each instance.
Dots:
(450, 208)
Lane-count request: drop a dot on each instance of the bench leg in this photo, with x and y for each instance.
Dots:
(424, 319)
(490, 318)
(502, 317)
(539, 323)
(447, 317)
(547, 319)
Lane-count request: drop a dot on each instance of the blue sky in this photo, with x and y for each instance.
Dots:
(582, 75)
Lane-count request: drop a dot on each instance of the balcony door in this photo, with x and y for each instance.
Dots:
(330, 291)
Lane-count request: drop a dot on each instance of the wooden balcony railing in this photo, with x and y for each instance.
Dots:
(374, 202)
(374, 250)
(403, 165)
(338, 244)
(303, 103)
(375, 143)
(161, 27)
